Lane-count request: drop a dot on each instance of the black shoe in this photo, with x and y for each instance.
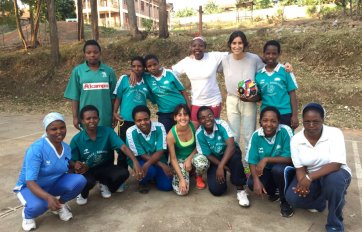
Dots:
(273, 198)
(286, 210)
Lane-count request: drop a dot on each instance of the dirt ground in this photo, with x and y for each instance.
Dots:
(161, 211)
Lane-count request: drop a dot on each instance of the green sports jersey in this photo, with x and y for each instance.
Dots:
(277, 146)
(215, 143)
(274, 88)
(142, 144)
(93, 88)
(97, 152)
(131, 96)
(165, 90)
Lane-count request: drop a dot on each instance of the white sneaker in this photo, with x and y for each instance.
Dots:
(80, 200)
(105, 191)
(122, 188)
(313, 210)
(242, 197)
(64, 212)
(28, 224)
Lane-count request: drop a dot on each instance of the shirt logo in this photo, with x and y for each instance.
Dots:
(104, 74)
(47, 162)
(261, 150)
(166, 82)
(96, 86)
(278, 147)
(86, 151)
(277, 79)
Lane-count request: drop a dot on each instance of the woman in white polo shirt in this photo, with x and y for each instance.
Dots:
(322, 174)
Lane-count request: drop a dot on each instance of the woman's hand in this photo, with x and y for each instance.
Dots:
(302, 188)
(188, 164)
(261, 165)
(53, 203)
(294, 122)
(220, 174)
(166, 169)
(76, 123)
(80, 167)
(288, 67)
(258, 187)
(138, 171)
(183, 186)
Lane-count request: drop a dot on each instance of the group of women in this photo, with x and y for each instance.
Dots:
(306, 170)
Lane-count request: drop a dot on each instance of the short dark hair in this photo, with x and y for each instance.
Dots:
(138, 58)
(236, 34)
(88, 108)
(272, 43)
(180, 107)
(91, 42)
(270, 108)
(140, 108)
(150, 57)
(314, 106)
(203, 108)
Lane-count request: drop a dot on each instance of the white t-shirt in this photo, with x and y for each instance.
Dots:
(202, 75)
(238, 70)
(330, 148)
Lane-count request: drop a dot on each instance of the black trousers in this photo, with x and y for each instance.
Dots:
(237, 175)
(108, 174)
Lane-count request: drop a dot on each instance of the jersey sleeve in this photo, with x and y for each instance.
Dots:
(117, 85)
(225, 130)
(120, 88)
(177, 82)
(33, 161)
(112, 82)
(253, 156)
(161, 139)
(201, 144)
(116, 141)
(72, 90)
(134, 143)
(291, 82)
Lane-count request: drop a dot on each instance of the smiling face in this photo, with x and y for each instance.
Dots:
(56, 131)
(269, 122)
(182, 118)
(237, 46)
(90, 120)
(198, 48)
(153, 67)
(92, 55)
(313, 123)
(137, 67)
(271, 55)
(143, 122)
(206, 119)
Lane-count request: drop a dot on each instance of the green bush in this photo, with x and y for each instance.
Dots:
(186, 12)
(147, 24)
(328, 12)
(312, 10)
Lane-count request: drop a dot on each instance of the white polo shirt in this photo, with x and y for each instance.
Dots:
(330, 148)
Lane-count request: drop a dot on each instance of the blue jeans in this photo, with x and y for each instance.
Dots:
(237, 175)
(272, 178)
(67, 187)
(331, 188)
(155, 172)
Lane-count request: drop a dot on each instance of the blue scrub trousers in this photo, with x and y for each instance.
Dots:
(155, 172)
(67, 187)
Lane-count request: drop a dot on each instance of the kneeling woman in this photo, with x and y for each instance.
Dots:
(44, 182)
(322, 174)
(182, 149)
(268, 156)
(93, 152)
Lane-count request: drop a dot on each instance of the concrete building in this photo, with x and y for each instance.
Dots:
(114, 13)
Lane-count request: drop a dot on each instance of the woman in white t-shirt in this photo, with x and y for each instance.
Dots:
(201, 69)
(322, 174)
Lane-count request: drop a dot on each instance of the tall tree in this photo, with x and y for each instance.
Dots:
(163, 27)
(80, 20)
(54, 40)
(35, 24)
(132, 21)
(94, 16)
(18, 25)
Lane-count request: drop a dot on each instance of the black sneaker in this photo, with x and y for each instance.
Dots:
(273, 198)
(286, 210)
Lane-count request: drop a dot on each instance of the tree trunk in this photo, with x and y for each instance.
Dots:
(132, 21)
(350, 8)
(359, 7)
(163, 27)
(34, 35)
(54, 41)
(18, 25)
(94, 16)
(80, 20)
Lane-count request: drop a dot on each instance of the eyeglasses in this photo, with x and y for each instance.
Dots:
(311, 123)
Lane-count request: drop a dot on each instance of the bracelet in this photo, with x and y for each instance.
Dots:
(308, 177)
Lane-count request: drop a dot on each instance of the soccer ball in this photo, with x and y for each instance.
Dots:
(247, 88)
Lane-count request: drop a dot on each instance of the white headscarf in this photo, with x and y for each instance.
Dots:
(51, 117)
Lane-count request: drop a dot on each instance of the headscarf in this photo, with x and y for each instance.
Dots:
(314, 106)
(200, 38)
(51, 117)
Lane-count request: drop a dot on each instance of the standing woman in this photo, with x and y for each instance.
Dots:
(92, 83)
(181, 144)
(322, 174)
(201, 69)
(237, 66)
(43, 177)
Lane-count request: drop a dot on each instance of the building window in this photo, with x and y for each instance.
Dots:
(142, 6)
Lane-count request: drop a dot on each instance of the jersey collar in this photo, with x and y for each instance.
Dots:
(276, 69)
